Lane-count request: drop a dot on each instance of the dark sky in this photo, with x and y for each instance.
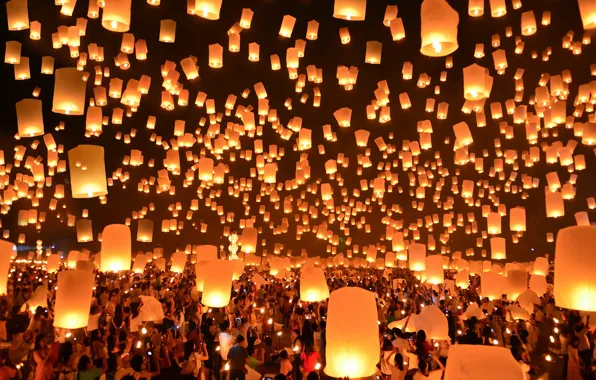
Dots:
(194, 34)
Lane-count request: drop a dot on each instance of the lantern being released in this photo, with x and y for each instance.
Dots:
(115, 248)
(438, 28)
(313, 285)
(217, 283)
(351, 10)
(73, 299)
(575, 268)
(352, 331)
(87, 171)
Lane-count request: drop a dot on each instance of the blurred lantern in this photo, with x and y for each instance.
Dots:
(351, 10)
(115, 248)
(417, 257)
(217, 283)
(492, 285)
(587, 10)
(210, 9)
(145, 231)
(116, 15)
(517, 283)
(73, 299)
(178, 262)
(352, 342)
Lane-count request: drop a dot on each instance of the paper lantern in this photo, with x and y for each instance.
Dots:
(69, 92)
(493, 221)
(84, 230)
(209, 9)
(517, 283)
(417, 257)
(517, 219)
(6, 251)
(528, 23)
(73, 299)
(343, 116)
(71, 260)
(492, 285)
(248, 240)
(575, 270)
(139, 263)
(217, 283)
(12, 54)
(497, 248)
(434, 323)
(160, 263)
(438, 28)
(178, 261)
(116, 15)
(352, 334)
(200, 274)
(215, 56)
(373, 52)
(145, 231)
(115, 248)
(434, 270)
(53, 263)
(462, 279)
(30, 118)
(498, 8)
(313, 285)
(351, 10)
(470, 362)
(554, 205)
(17, 15)
(287, 26)
(476, 8)
(477, 82)
(87, 171)
(541, 266)
(587, 10)
(207, 253)
(538, 284)
(167, 31)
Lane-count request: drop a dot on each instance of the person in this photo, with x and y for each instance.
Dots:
(285, 365)
(136, 370)
(398, 369)
(42, 357)
(7, 369)
(309, 358)
(86, 370)
(387, 354)
(193, 360)
(574, 365)
(238, 357)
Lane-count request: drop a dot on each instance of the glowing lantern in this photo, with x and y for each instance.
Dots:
(462, 279)
(287, 26)
(477, 82)
(517, 219)
(71, 260)
(438, 28)
(528, 23)
(417, 257)
(468, 362)
(209, 9)
(313, 285)
(53, 263)
(343, 116)
(517, 283)
(12, 55)
(352, 342)
(434, 323)
(145, 231)
(87, 171)
(498, 8)
(217, 283)
(494, 223)
(373, 52)
(6, 251)
(575, 271)
(248, 240)
(554, 205)
(69, 92)
(351, 10)
(84, 230)
(140, 263)
(215, 56)
(115, 248)
(587, 10)
(167, 31)
(17, 14)
(498, 248)
(30, 118)
(116, 15)
(434, 270)
(205, 169)
(178, 262)
(493, 285)
(73, 299)
(476, 8)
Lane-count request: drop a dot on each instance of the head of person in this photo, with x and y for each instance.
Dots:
(85, 363)
(40, 342)
(280, 376)
(239, 340)
(574, 341)
(387, 346)
(399, 361)
(136, 363)
(283, 355)
(312, 376)
(309, 347)
(420, 336)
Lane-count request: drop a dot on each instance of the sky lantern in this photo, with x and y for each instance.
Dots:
(115, 248)
(6, 251)
(438, 28)
(462, 279)
(517, 219)
(498, 8)
(72, 258)
(575, 271)
(468, 362)
(139, 263)
(30, 118)
(53, 263)
(116, 15)
(587, 10)
(313, 285)
(210, 9)
(69, 92)
(492, 285)
(215, 56)
(351, 10)
(217, 283)
(528, 23)
(145, 231)
(517, 283)
(352, 344)
(178, 261)
(477, 82)
(497, 248)
(167, 31)
(554, 205)
(17, 15)
(12, 53)
(434, 270)
(417, 257)
(84, 230)
(476, 8)
(87, 171)
(373, 52)
(249, 239)
(73, 299)
(287, 26)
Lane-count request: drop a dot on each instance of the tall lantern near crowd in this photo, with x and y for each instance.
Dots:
(217, 283)
(438, 28)
(6, 250)
(115, 248)
(73, 299)
(87, 171)
(352, 330)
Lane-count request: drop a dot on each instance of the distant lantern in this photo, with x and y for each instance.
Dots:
(87, 171)
(215, 56)
(498, 248)
(17, 15)
(587, 10)
(438, 28)
(69, 92)
(30, 118)
(477, 82)
(73, 298)
(208, 9)
(575, 269)
(6, 251)
(373, 52)
(249, 239)
(84, 229)
(313, 285)
(178, 260)
(145, 231)
(167, 31)
(53, 263)
(351, 10)
(140, 263)
(116, 15)
(352, 331)
(217, 283)
(115, 248)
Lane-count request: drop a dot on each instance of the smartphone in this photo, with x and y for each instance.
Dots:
(238, 321)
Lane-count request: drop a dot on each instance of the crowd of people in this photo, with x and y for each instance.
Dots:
(266, 331)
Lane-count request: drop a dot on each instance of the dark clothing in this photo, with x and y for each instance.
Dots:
(237, 374)
(470, 338)
(237, 357)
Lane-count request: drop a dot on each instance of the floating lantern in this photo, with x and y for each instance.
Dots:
(210, 9)
(30, 118)
(115, 248)
(217, 283)
(313, 285)
(178, 262)
(69, 92)
(116, 15)
(438, 28)
(73, 299)
(87, 171)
